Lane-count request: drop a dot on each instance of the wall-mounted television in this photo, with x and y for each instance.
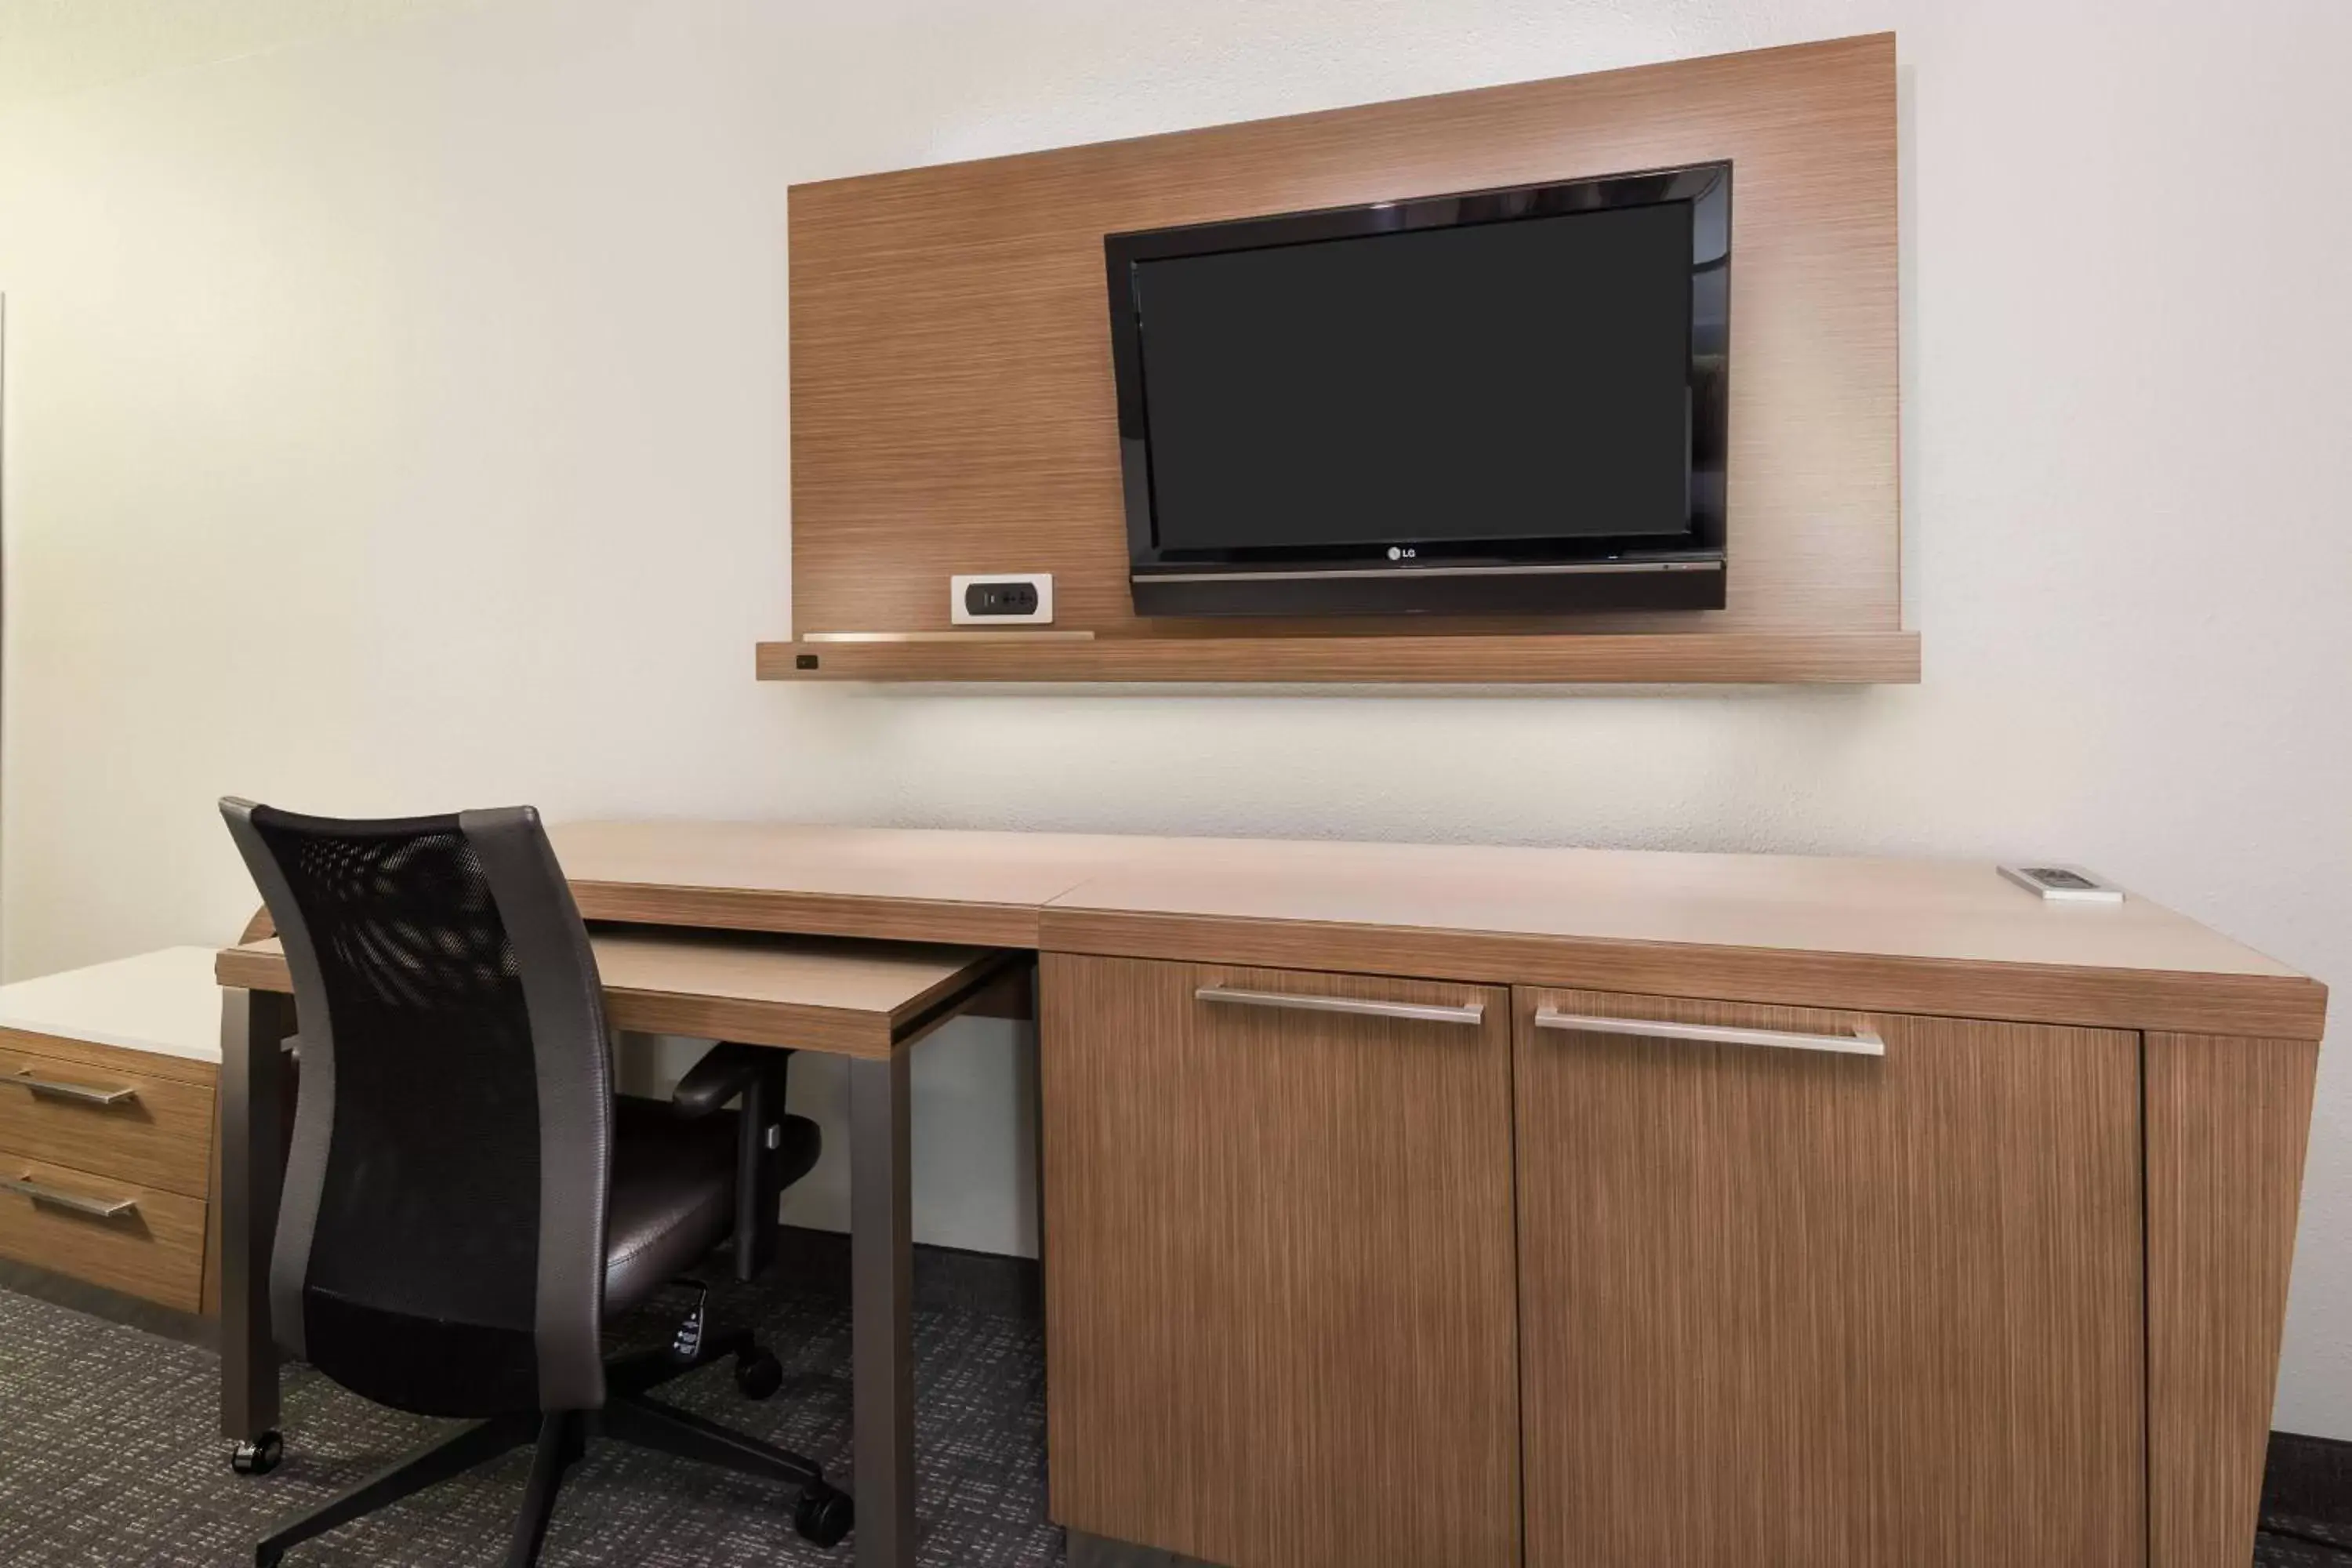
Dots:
(1498, 401)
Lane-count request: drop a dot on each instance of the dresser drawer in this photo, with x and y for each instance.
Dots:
(156, 1131)
(102, 1229)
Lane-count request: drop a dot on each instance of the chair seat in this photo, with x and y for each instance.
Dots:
(674, 1191)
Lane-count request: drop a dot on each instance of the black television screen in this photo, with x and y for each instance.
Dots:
(1422, 385)
(1526, 382)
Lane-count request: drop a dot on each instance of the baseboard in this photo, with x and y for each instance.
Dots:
(80, 1295)
(1101, 1551)
(947, 1278)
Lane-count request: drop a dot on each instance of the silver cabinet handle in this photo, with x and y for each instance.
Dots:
(97, 1208)
(56, 1088)
(1471, 1013)
(1861, 1043)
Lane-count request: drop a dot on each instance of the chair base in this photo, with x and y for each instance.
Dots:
(823, 1514)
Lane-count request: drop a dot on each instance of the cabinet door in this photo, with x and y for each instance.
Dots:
(1793, 1305)
(1278, 1275)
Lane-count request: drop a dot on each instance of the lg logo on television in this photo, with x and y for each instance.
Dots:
(1397, 554)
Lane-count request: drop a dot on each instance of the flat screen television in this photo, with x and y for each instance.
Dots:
(1502, 402)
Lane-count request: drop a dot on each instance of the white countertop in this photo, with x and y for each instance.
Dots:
(166, 1002)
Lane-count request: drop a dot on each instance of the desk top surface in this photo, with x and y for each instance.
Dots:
(1467, 911)
(162, 1002)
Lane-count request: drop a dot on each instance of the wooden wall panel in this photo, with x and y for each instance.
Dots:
(952, 405)
(2227, 1121)
(1801, 1310)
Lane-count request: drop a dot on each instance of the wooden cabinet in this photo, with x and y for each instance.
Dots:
(129, 1123)
(1278, 1264)
(1782, 1304)
(2227, 1121)
(106, 1157)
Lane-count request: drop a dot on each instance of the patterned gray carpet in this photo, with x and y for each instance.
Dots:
(2288, 1542)
(107, 1455)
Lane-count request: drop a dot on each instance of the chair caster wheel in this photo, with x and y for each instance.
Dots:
(823, 1516)
(758, 1374)
(257, 1455)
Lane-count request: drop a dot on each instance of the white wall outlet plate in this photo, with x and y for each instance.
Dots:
(1002, 598)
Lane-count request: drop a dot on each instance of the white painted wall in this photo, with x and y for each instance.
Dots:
(397, 421)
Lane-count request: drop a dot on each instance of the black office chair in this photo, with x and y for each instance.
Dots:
(466, 1201)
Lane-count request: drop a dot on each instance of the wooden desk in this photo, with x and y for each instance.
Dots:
(897, 884)
(1414, 1203)
(866, 1001)
(1927, 936)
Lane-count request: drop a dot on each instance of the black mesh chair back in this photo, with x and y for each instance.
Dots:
(440, 1242)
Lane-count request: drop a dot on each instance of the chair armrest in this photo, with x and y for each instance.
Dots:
(725, 1071)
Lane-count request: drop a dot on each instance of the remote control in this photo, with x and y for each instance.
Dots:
(2065, 884)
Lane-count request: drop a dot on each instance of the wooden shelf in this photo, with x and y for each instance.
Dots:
(1662, 659)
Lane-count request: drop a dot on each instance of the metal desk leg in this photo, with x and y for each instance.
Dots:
(254, 1027)
(881, 1252)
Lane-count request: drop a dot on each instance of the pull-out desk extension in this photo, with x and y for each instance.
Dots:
(866, 1001)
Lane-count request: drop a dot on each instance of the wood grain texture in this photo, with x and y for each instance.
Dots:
(2227, 1121)
(952, 403)
(163, 1138)
(1968, 988)
(93, 1057)
(1948, 937)
(1393, 897)
(903, 884)
(1278, 1270)
(844, 998)
(819, 914)
(1960, 909)
(1926, 936)
(156, 1252)
(1890, 657)
(1013, 994)
(1792, 1309)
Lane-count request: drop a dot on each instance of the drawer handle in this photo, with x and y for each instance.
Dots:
(1861, 1043)
(57, 1089)
(1471, 1013)
(55, 1197)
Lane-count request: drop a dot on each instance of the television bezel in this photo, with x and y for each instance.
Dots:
(1619, 570)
